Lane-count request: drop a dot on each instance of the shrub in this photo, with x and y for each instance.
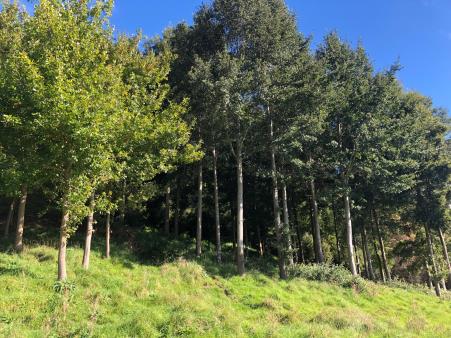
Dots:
(334, 274)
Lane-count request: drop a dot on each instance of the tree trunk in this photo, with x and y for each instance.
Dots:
(124, 202)
(347, 204)
(216, 198)
(286, 221)
(260, 242)
(316, 228)
(89, 231)
(432, 259)
(276, 208)
(429, 277)
(200, 184)
(382, 246)
(337, 238)
(9, 219)
(62, 271)
(357, 259)
(367, 253)
(240, 211)
(18, 245)
(445, 254)
(177, 210)
(107, 234)
(167, 214)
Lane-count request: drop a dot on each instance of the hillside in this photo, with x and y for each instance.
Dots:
(126, 297)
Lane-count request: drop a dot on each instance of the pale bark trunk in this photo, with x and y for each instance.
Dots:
(347, 204)
(357, 259)
(177, 210)
(18, 245)
(167, 211)
(276, 207)
(216, 198)
(316, 228)
(200, 183)
(286, 221)
(62, 271)
(107, 235)
(382, 246)
(445, 254)
(89, 232)
(367, 252)
(429, 277)
(432, 259)
(240, 211)
(260, 242)
(9, 219)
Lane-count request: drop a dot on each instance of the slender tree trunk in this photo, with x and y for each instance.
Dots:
(124, 202)
(276, 208)
(18, 245)
(200, 183)
(379, 260)
(367, 253)
(301, 246)
(260, 242)
(107, 234)
(432, 259)
(9, 219)
(357, 259)
(337, 237)
(315, 222)
(62, 271)
(347, 204)
(445, 254)
(286, 221)
(240, 210)
(216, 198)
(177, 210)
(167, 214)
(89, 232)
(382, 246)
(429, 277)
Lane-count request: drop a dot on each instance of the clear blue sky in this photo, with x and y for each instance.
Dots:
(418, 32)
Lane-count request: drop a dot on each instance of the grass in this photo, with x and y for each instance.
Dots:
(130, 297)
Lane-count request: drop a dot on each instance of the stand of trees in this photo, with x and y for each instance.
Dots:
(310, 155)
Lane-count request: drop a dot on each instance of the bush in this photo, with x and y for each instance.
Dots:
(337, 275)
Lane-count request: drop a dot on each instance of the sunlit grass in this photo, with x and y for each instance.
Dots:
(123, 297)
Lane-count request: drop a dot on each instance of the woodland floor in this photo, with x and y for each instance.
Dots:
(173, 296)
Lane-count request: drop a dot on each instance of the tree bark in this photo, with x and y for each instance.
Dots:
(240, 211)
(200, 184)
(107, 234)
(89, 232)
(367, 253)
(351, 258)
(316, 228)
(260, 242)
(62, 271)
(177, 210)
(382, 246)
(445, 254)
(286, 221)
(216, 198)
(9, 219)
(18, 245)
(276, 207)
(167, 214)
(432, 259)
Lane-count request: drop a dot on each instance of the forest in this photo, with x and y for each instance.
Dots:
(231, 132)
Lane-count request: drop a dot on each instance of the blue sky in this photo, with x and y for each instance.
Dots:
(417, 32)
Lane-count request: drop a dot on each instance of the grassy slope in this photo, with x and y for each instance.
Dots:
(123, 298)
